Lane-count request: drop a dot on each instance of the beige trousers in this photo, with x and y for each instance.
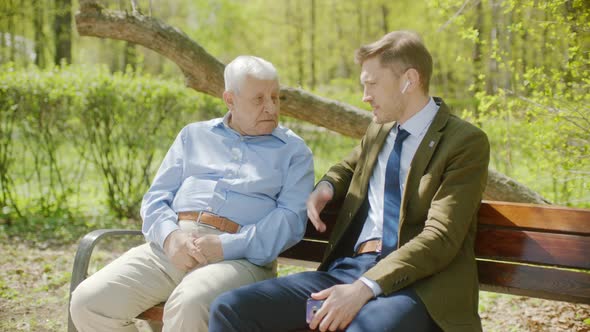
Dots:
(143, 277)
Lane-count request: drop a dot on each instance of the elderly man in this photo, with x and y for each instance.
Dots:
(401, 254)
(227, 199)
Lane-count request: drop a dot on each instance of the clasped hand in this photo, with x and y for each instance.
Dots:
(189, 250)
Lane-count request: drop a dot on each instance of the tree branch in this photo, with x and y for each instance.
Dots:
(204, 73)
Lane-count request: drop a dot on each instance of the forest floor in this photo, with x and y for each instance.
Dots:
(34, 286)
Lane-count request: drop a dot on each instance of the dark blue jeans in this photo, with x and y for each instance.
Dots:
(280, 304)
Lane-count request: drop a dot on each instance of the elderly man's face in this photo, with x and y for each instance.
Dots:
(255, 108)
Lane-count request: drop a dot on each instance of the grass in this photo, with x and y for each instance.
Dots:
(34, 292)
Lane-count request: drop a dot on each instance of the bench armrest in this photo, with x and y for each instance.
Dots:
(82, 259)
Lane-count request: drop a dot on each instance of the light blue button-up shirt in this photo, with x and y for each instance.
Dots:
(259, 182)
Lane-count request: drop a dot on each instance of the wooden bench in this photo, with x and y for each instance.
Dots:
(523, 249)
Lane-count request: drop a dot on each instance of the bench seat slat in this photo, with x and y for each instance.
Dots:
(154, 313)
(533, 247)
(310, 249)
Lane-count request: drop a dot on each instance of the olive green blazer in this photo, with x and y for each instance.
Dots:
(438, 216)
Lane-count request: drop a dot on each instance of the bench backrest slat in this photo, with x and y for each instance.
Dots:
(554, 219)
(509, 233)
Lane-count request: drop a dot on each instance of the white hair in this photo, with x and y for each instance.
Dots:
(246, 65)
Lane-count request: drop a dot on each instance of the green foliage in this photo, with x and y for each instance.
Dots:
(77, 143)
(534, 103)
(125, 123)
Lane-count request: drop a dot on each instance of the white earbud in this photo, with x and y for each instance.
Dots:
(406, 87)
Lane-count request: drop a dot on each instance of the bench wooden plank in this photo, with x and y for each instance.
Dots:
(534, 281)
(555, 219)
(562, 250)
(310, 249)
(154, 313)
(509, 233)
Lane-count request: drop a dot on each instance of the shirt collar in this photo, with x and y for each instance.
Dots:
(419, 122)
(278, 132)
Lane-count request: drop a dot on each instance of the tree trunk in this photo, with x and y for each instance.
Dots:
(204, 73)
(312, 46)
(130, 56)
(384, 18)
(63, 31)
(477, 48)
(38, 22)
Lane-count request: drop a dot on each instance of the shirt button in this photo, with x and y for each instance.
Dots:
(209, 209)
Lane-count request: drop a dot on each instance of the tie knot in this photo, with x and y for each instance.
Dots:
(401, 135)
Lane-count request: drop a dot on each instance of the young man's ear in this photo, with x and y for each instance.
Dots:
(414, 78)
(228, 98)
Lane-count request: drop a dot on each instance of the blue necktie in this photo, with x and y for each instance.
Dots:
(392, 195)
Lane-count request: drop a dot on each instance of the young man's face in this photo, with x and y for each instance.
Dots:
(382, 89)
(255, 108)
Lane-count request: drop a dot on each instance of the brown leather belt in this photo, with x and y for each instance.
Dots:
(221, 223)
(369, 246)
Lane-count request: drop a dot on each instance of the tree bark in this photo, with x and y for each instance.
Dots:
(63, 31)
(38, 22)
(204, 73)
(312, 30)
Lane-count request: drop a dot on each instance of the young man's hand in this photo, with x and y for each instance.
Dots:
(341, 304)
(316, 203)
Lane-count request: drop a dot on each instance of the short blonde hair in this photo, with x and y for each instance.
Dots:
(401, 50)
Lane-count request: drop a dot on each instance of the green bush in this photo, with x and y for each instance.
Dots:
(79, 146)
(82, 142)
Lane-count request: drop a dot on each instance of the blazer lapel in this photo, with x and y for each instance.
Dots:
(424, 153)
(376, 146)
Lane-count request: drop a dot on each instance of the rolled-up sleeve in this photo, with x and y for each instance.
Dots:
(159, 219)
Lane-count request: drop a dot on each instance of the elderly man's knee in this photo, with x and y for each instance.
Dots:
(225, 302)
(82, 300)
(194, 305)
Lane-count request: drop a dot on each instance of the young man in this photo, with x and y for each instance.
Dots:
(401, 255)
(227, 199)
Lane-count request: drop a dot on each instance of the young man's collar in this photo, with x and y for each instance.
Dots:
(420, 121)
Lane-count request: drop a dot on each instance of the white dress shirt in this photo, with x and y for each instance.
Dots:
(417, 126)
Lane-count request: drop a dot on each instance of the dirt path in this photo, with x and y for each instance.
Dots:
(34, 286)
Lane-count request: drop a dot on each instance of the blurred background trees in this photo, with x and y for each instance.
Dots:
(85, 138)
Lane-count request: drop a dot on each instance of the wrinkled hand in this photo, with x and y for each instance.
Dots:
(316, 202)
(342, 303)
(178, 247)
(207, 248)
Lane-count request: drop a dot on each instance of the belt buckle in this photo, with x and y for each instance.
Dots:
(202, 223)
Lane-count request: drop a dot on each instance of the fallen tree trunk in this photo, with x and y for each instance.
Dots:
(204, 73)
